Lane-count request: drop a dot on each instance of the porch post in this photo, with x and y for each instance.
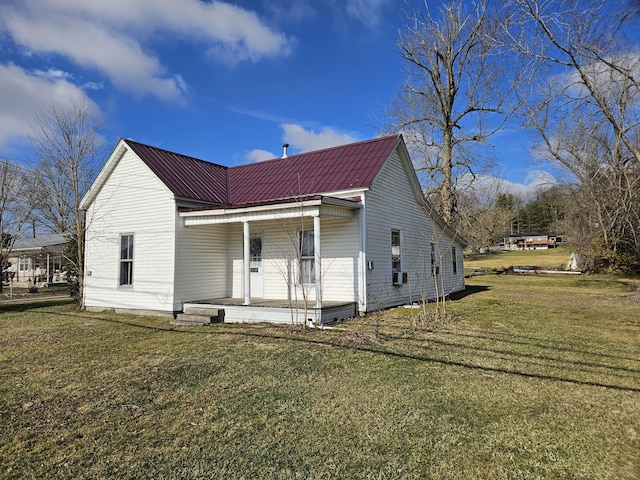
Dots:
(318, 260)
(246, 263)
(364, 264)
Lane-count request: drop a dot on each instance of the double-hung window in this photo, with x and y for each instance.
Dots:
(455, 260)
(396, 265)
(434, 268)
(126, 260)
(307, 256)
(24, 264)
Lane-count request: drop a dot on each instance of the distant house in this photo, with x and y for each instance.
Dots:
(334, 233)
(36, 260)
(530, 241)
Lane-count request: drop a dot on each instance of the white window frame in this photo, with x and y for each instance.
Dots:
(434, 268)
(454, 258)
(396, 251)
(24, 264)
(306, 257)
(126, 282)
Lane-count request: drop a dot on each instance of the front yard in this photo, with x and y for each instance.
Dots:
(533, 377)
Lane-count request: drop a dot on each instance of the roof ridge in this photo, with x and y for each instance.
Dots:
(187, 177)
(128, 140)
(326, 149)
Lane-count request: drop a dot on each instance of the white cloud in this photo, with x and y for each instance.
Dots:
(258, 155)
(291, 11)
(608, 82)
(535, 181)
(25, 94)
(369, 12)
(308, 140)
(111, 35)
(93, 85)
(301, 140)
(53, 74)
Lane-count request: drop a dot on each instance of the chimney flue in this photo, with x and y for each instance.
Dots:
(284, 148)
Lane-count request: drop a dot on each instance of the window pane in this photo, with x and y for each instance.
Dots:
(307, 270)
(126, 247)
(255, 247)
(126, 273)
(306, 244)
(395, 238)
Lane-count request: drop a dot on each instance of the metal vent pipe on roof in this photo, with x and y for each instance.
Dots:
(284, 147)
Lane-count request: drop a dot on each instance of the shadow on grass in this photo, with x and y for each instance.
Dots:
(533, 342)
(538, 358)
(32, 303)
(360, 348)
(469, 290)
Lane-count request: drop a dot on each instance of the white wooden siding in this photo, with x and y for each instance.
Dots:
(132, 201)
(340, 246)
(201, 262)
(392, 205)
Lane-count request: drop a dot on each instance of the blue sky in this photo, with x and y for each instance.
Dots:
(226, 82)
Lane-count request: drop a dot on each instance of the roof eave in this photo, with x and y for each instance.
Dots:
(112, 160)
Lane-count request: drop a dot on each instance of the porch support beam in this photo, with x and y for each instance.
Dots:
(318, 260)
(246, 262)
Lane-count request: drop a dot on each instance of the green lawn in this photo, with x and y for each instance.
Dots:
(533, 377)
(502, 259)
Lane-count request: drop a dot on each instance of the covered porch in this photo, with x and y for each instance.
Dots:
(280, 253)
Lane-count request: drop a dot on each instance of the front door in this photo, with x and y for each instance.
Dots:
(255, 266)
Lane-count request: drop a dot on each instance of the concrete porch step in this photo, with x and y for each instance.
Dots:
(204, 310)
(187, 319)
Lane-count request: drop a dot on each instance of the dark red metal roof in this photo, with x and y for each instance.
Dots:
(187, 177)
(333, 169)
(338, 168)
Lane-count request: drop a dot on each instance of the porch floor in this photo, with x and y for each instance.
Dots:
(269, 302)
(277, 311)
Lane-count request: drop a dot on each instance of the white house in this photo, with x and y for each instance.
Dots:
(324, 234)
(530, 241)
(35, 261)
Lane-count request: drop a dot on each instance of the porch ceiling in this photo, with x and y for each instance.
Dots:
(324, 206)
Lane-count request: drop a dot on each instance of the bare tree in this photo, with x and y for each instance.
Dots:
(456, 96)
(68, 145)
(15, 208)
(587, 65)
(632, 12)
(584, 106)
(487, 213)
